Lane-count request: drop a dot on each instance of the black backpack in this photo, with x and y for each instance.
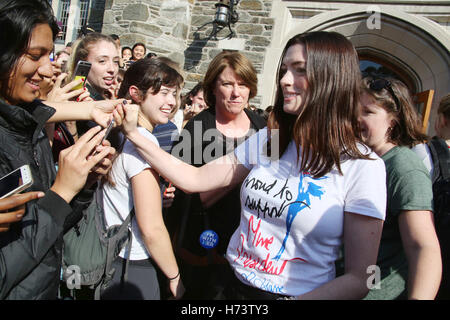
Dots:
(441, 198)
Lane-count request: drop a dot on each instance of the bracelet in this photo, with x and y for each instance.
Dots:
(171, 279)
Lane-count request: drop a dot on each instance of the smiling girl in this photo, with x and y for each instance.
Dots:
(332, 187)
(409, 256)
(153, 86)
(103, 53)
(30, 252)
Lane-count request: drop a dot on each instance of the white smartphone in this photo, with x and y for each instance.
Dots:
(15, 181)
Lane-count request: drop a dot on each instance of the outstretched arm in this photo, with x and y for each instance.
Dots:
(222, 172)
(98, 111)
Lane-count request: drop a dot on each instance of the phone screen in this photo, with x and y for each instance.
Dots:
(81, 72)
(10, 182)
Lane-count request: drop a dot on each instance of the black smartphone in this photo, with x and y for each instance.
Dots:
(81, 72)
(108, 130)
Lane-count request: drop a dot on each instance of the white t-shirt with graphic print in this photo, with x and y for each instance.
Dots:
(291, 224)
(118, 200)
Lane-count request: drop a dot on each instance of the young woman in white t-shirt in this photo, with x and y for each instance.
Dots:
(133, 183)
(319, 188)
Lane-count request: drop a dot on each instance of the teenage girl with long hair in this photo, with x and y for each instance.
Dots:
(319, 188)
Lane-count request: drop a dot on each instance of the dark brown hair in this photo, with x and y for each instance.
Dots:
(145, 74)
(18, 18)
(241, 65)
(444, 106)
(137, 44)
(187, 98)
(407, 128)
(327, 126)
(148, 74)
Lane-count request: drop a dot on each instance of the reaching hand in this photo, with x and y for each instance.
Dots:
(102, 111)
(77, 161)
(64, 93)
(130, 120)
(17, 204)
(177, 288)
(168, 196)
(102, 168)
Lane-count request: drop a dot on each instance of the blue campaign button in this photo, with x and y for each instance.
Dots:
(209, 239)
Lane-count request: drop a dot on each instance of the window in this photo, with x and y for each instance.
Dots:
(84, 13)
(63, 16)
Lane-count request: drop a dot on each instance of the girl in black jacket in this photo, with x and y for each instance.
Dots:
(30, 252)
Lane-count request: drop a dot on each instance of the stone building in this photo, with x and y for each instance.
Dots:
(408, 38)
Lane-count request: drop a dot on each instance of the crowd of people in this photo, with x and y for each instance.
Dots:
(297, 201)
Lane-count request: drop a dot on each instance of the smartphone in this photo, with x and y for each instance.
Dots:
(108, 130)
(81, 72)
(15, 181)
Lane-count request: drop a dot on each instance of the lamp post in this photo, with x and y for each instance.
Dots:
(222, 8)
(225, 16)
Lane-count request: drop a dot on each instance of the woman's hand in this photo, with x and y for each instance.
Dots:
(177, 288)
(168, 196)
(129, 124)
(102, 168)
(76, 162)
(16, 203)
(60, 93)
(102, 111)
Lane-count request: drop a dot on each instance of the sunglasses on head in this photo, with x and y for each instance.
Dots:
(380, 84)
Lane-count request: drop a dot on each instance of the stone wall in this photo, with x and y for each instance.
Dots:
(181, 30)
(161, 24)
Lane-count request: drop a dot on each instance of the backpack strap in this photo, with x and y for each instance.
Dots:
(130, 241)
(441, 157)
(112, 246)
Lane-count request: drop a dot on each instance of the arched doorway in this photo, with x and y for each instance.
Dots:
(376, 67)
(414, 48)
